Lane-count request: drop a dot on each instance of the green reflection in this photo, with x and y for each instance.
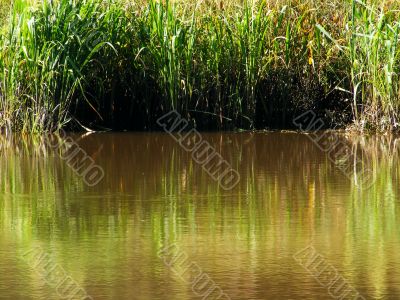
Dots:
(290, 195)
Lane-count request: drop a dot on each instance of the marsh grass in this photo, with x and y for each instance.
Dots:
(249, 64)
(47, 53)
(370, 50)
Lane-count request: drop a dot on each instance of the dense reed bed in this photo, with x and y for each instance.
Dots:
(223, 65)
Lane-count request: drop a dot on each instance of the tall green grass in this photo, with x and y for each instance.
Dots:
(250, 64)
(374, 57)
(47, 56)
(370, 50)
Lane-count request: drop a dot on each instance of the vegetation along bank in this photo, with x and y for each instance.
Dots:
(222, 65)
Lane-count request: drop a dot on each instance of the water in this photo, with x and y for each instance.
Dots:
(111, 238)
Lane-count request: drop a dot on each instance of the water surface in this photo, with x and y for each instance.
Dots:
(108, 237)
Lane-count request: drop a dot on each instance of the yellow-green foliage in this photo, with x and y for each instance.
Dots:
(221, 64)
(4, 9)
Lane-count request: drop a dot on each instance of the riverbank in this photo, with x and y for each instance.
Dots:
(221, 65)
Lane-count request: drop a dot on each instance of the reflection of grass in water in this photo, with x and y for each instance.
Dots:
(288, 197)
(31, 176)
(30, 167)
(370, 215)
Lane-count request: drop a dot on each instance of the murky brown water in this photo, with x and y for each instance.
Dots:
(111, 239)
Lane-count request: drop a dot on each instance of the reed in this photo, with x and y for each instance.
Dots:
(250, 64)
(369, 49)
(47, 54)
